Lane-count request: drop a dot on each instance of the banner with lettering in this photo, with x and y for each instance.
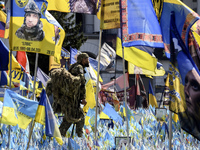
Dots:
(33, 29)
(110, 14)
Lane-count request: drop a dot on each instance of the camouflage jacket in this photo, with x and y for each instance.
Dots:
(78, 70)
(34, 34)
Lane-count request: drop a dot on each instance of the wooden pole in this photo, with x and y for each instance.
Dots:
(97, 85)
(33, 124)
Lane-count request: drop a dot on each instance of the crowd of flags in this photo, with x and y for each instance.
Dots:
(174, 28)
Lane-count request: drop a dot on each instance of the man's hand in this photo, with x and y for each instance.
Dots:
(84, 102)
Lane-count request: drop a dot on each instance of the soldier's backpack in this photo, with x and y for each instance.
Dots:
(65, 90)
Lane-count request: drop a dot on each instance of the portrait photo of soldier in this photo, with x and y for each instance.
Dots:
(83, 6)
(32, 28)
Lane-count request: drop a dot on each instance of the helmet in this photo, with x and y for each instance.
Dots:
(32, 7)
(81, 56)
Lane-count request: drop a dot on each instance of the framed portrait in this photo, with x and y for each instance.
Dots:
(160, 113)
(120, 140)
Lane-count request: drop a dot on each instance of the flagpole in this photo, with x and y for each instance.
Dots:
(10, 75)
(170, 130)
(30, 134)
(172, 59)
(97, 85)
(33, 124)
(35, 74)
(125, 98)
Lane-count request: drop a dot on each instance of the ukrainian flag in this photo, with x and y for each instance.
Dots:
(152, 98)
(184, 19)
(17, 109)
(45, 116)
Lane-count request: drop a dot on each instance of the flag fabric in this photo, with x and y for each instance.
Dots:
(117, 84)
(152, 98)
(72, 144)
(7, 26)
(185, 18)
(94, 64)
(42, 76)
(22, 59)
(2, 92)
(91, 80)
(141, 96)
(88, 7)
(73, 55)
(108, 55)
(22, 86)
(139, 38)
(2, 23)
(5, 79)
(65, 55)
(146, 30)
(4, 59)
(116, 98)
(129, 113)
(40, 36)
(45, 116)
(112, 114)
(143, 55)
(159, 71)
(109, 97)
(110, 14)
(182, 82)
(17, 109)
(90, 96)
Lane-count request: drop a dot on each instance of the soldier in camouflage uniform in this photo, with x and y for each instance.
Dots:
(68, 89)
(31, 29)
(77, 69)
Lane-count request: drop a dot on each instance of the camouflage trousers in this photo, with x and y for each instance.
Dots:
(79, 126)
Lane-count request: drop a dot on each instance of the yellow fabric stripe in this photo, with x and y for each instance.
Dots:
(23, 120)
(152, 100)
(8, 116)
(90, 97)
(136, 56)
(103, 116)
(40, 115)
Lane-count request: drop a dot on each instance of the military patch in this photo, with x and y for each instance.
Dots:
(21, 3)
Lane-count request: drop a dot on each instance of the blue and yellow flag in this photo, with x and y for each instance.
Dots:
(45, 116)
(5, 59)
(146, 30)
(159, 71)
(184, 83)
(88, 7)
(5, 79)
(185, 18)
(139, 38)
(112, 114)
(143, 56)
(152, 98)
(17, 109)
(2, 23)
(33, 29)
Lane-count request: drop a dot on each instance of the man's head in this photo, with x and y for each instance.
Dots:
(32, 14)
(83, 59)
(192, 92)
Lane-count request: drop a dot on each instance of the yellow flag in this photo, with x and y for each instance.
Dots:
(90, 96)
(110, 14)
